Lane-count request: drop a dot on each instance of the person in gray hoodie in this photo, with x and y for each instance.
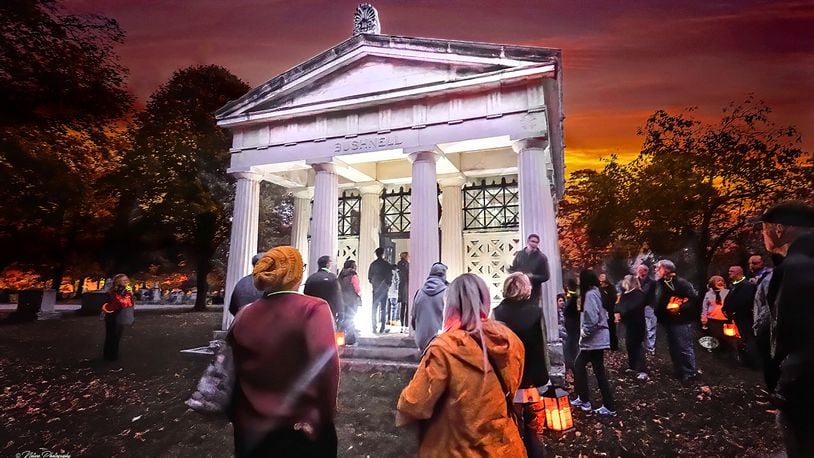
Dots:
(594, 340)
(428, 306)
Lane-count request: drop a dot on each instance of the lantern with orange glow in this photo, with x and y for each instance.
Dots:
(675, 303)
(557, 409)
(340, 338)
(731, 330)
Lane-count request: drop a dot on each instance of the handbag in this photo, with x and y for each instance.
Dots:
(215, 390)
(507, 394)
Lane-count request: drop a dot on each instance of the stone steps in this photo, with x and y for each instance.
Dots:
(398, 354)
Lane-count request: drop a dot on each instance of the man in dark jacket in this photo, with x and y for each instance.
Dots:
(532, 262)
(380, 275)
(738, 306)
(324, 285)
(675, 303)
(609, 296)
(788, 231)
(245, 293)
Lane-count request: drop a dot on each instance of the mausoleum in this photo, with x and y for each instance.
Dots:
(449, 150)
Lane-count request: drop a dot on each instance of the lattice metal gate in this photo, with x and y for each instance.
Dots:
(489, 254)
(348, 249)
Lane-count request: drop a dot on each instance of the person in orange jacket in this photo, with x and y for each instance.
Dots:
(455, 396)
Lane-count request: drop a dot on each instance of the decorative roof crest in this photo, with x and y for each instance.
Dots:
(366, 20)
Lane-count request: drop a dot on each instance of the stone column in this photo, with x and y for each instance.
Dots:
(302, 220)
(325, 215)
(369, 231)
(423, 219)
(537, 217)
(243, 242)
(452, 225)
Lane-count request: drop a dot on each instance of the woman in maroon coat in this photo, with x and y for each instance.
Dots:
(286, 364)
(119, 298)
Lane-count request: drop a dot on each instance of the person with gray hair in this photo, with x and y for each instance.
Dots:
(460, 394)
(428, 306)
(245, 293)
(675, 303)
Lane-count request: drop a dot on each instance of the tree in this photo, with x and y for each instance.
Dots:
(695, 186)
(61, 91)
(177, 169)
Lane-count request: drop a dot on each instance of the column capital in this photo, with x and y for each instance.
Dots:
(246, 175)
(304, 193)
(451, 180)
(423, 154)
(323, 164)
(529, 143)
(370, 188)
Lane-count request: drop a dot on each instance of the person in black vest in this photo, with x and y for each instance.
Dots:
(324, 285)
(738, 306)
(532, 262)
(380, 275)
(788, 232)
(609, 296)
(675, 303)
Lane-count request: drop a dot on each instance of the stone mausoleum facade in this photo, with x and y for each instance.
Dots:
(449, 150)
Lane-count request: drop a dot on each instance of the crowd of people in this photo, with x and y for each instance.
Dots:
(483, 369)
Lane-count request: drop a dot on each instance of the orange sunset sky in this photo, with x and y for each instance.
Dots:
(623, 59)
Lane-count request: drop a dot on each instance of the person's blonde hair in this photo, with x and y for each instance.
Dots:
(714, 280)
(631, 282)
(467, 303)
(517, 287)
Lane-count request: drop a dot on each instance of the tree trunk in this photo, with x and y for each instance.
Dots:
(204, 267)
(56, 276)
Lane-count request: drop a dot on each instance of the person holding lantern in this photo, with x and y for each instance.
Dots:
(594, 340)
(738, 306)
(118, 313)
(523, 317)
(674, 300)
(712, 314)
(788, 232)
(460, 394)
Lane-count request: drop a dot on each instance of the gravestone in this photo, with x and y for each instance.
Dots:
(47, 309)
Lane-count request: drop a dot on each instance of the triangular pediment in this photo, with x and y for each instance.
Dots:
(371, 75)
(367, 65)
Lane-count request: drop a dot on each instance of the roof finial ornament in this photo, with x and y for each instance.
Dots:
(366, 20)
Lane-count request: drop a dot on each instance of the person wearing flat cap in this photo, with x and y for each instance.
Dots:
(788, 232)
(287, 366)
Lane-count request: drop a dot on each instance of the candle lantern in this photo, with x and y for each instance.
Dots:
(731, 330)
(557, 409)
(340, 338)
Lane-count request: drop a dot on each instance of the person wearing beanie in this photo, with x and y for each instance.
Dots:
(245, 293)
(287, 365)
(428, 306)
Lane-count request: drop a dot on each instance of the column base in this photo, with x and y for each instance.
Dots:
(556, 361)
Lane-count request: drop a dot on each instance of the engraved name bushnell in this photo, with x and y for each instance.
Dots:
(367, 144)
